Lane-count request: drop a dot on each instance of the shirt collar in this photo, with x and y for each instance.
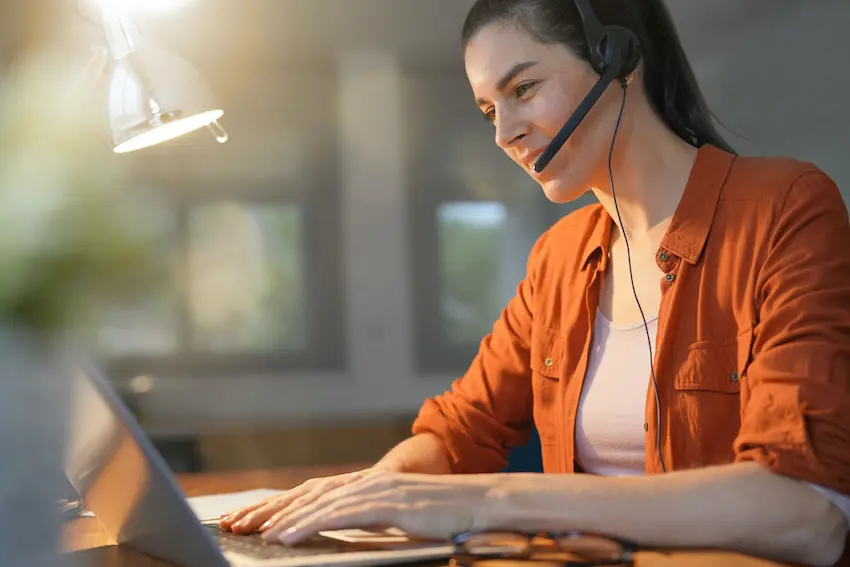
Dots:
(692, 220)
(599, 240)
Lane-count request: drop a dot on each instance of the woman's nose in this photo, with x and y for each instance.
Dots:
(509, 129)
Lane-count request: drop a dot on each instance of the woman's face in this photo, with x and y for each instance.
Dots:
(529, 90)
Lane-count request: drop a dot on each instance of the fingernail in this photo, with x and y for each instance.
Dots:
(239, 524)
(266, 526)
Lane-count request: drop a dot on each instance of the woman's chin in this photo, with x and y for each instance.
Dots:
(558, 191)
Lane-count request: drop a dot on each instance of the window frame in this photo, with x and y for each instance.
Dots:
(321, 239)
(433, 352)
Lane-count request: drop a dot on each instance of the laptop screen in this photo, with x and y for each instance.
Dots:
(124, 481)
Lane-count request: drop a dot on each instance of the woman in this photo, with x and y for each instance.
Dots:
(746, 408)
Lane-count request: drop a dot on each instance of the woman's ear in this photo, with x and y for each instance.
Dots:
(635, 75)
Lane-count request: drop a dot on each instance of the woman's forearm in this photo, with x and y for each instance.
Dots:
(418, 454)
(739, 507)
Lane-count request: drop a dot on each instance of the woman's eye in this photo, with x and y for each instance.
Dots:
(524, 88)
(490, 116)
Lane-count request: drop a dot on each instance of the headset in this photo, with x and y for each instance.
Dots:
(615, 52)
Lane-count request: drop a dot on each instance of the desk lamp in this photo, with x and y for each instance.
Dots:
(153, 95)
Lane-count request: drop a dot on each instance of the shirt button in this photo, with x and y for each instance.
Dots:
(736, 376)
(669, 278)
(548, 362)
(664, 256)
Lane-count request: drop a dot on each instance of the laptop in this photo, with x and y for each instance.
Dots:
(129, 488)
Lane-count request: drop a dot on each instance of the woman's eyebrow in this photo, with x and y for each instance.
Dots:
(509, 76)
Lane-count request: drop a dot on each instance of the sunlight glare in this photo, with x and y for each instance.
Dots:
(138, 6)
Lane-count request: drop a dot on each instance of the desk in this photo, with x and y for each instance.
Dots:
(90, 548)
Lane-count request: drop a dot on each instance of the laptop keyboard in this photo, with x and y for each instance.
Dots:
(256, 547)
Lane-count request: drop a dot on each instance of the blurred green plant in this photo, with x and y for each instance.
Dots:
(73, 233)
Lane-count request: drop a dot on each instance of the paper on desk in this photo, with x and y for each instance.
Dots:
(388, 535)
(214, 505)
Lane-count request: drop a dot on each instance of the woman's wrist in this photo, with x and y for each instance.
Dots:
(525, 503)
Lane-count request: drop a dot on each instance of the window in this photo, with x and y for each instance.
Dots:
(470, 258)
(252, 286)
(249, 242)
(246, 278)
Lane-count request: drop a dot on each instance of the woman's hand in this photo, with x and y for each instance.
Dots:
(421, 453)
(249, 519)
(423, 505)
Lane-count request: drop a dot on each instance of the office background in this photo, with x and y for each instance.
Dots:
(340, 258)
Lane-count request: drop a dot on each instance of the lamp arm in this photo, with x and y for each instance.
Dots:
(122, 32)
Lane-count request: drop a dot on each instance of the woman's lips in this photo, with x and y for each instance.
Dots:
(528, 160)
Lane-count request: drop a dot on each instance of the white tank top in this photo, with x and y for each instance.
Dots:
(611, 413)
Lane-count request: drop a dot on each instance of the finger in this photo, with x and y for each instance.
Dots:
(254, 506)
(301, 507)
(278, 500)
(357, 516)
(345, 494)
(250, 521)
(229, 518)
(245, 520)
(313, 500)
(260, 516)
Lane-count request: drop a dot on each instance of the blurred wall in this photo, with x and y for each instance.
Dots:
(779, 80)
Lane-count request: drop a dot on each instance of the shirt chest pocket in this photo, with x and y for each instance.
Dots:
(547, 364)
(715, 366)
(706, 405)
(709, 368)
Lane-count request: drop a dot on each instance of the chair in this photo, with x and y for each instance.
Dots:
(528, 457)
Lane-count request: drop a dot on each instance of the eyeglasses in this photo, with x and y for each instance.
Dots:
(581, 549)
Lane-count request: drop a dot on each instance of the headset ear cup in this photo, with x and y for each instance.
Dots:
(620, 40)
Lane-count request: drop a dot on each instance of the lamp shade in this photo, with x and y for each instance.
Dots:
(154, 96)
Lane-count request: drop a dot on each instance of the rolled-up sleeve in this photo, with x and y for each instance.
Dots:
(488, 411)
(796, 416)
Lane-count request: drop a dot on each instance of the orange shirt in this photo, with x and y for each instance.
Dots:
(753, 347)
